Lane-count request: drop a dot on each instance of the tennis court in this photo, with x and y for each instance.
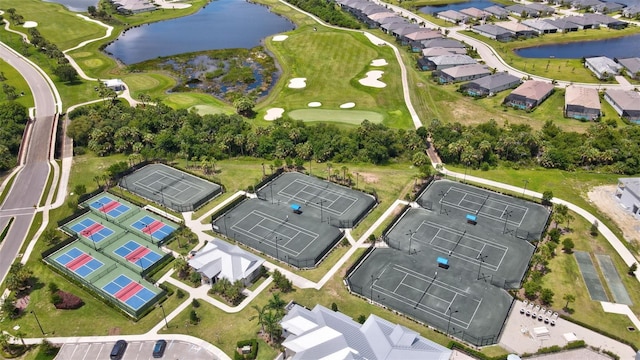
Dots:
(327, 201)
(79, 262)
(135, 253)
(129, 292)
(518, 217)
(156, 229)
(298, 239)
(92, 230)
(170, 187)
(109, 206)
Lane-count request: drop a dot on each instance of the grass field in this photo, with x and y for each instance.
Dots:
(17, 81)
(333, 83)
(351, 117)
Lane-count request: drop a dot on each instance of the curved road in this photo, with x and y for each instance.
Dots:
(31, 180)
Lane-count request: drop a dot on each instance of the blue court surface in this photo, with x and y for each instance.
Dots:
(138, 254)
(109, 206)
(156, 228)
(135, 301)
(85, 266)
(92, 230)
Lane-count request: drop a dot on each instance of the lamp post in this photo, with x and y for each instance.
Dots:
(480, 259)
(442, 194)
(102, 209)
(410, 233)
(93, 241)
(271, 188)
(164, 315)
(525, 186)
(276, 248)
(321, 202)
(38, 321)
(450, 314)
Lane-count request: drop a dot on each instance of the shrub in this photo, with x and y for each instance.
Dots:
(334, 306)
(193, 317)
(195, 303)
(567, 245)
(56, 299)
(362, 319)
(632, 269)
(180, 293)
(53, 287)
(253, 343)
(67, 301)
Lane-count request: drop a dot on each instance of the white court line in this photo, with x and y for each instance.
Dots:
(400, 283)
(306, 185)
(496, 198)
(422, 290)
(158, 176)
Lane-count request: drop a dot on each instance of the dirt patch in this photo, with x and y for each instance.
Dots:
(369, 178)
(23, 302)
(114, 331)
(603, 197)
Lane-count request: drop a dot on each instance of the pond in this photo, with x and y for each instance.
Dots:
(76, 5)
(623, 47)
(222, 24)
(480, 4)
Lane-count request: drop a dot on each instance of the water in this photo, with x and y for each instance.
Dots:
(480, 4)
(76, 5)
(222, 24)
(624, 47)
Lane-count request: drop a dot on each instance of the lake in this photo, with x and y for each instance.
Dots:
(480, 4)
(623, 47)
(222, 24)
(76, 5)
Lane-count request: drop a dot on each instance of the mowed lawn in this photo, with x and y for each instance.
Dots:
(55, 22)
(333, 61)
(17, 81)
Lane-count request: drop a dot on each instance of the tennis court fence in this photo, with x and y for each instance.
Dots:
(74, 216)
(99, 275)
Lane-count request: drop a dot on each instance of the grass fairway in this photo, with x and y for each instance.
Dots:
(17, 81)
(332, 61)
(206, 109)
(352, 117)
(57, 24)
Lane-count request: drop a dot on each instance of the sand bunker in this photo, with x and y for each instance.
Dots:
(379, 62)
(30, 24)
(171, 4)
(372, 79)
(298, 83)
(274, 113)
(314, 104)
(280, 37)
(348, 105)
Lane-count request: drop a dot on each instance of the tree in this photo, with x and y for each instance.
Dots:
(334, 306)
(569, 298)
(546, 296)
(632, 269)
(9, 308)
(182, 267)
(272, 325)
(193, 317)
(80, 189)
(18, 277)
(277, 304)
(568, 245)
(66, 73)
(554, 235)
(362, 319)
(244, 105)
(92, 11)
(531, 288)
(260, 312)
(560, 213)
(51, 236)
(547, 196)
(594, 228)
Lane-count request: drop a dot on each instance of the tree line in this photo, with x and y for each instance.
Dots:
(603, 146)
(160, 131)
(328, 11)
(13, 118)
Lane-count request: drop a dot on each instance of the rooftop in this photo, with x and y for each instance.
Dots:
(626, 99)
(582, 96)
(223, 260)
(533, 89)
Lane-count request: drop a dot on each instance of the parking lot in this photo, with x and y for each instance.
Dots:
(136, 350)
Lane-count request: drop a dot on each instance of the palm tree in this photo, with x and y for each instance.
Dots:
(261, 311)
(97, 179)
(272, 324)
(277, 304)
(344, 172)
(568, 298)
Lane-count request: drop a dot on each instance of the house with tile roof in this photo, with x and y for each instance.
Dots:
(529, 95)
(625, 102)
(540, 26)
(497, 11)
(582, 103)
(453, 16)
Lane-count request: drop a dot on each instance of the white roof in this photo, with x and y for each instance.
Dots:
(299, 324)
(113, 82)
(312, 339)
(223, 260)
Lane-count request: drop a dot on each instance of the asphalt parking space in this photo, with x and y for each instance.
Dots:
(136, 350)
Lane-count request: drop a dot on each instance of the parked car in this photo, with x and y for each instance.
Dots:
(118, 350)
(158, 348)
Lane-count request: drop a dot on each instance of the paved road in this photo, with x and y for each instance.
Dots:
(31, 180)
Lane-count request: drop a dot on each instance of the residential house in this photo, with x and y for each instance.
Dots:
(377, 17)
(585, 4)
(404, 30)
(462, 73)
(519, 30)
(219, 259)
(608, 7)
(437, 51)
(543, 10)
(631, 12)
(625, 102)
(562, 24)
(475, 13)
(522, 11)
(133, 6)
(444, 61)
(529, 95)
(581, 103)
(607, 21)
(367, 11)
(603, 67)
(422, 34)
(490, 85)
(540, 26)
(493, 32)
(452, 16)
(391, 26)
(325, 334)
(628, 195)
(631, 66)
(583, 22)
(442, 42)
(497, 11)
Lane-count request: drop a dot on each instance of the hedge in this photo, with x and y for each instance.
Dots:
(250, 356)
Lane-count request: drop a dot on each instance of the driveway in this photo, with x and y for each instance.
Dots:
(136, 350)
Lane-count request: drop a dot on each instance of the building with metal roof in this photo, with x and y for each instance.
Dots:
(490, 85)
(563, 24)
(628, 195)
(540, 26)
(219, 259)
(631, 66)
(453, 16)
(625, 102)
(462, 73)
(608, 7)
(607, 21)
(497, 11)
(603, 67)
(582, 103)
(583, 22)
(325, 334)
(493, 32)
(529, 95)
(445, 61)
